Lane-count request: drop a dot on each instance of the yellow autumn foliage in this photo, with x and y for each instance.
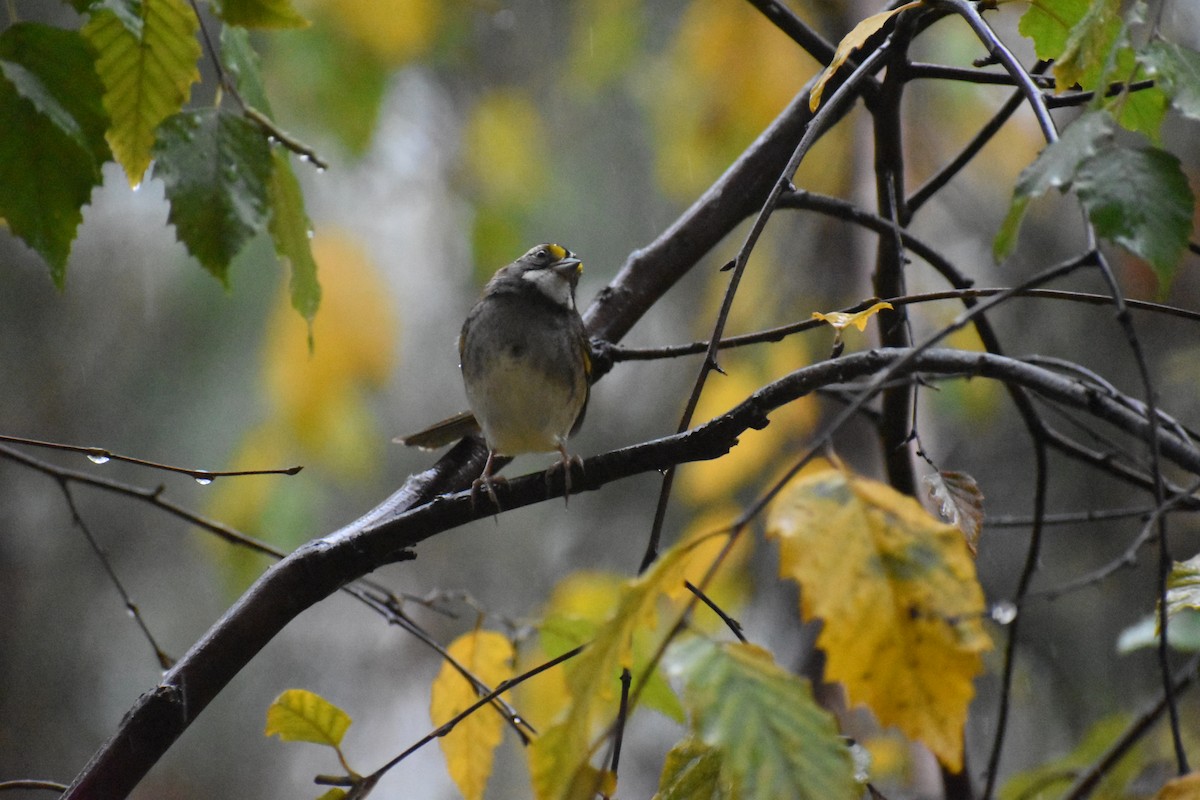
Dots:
(896, 590)
(298, 715)
(318, 399)
(727, 75)
(469, 748)
(559, 759)
(395, 31)
(1186, 787)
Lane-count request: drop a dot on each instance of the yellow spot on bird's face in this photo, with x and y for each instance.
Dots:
(557, 251)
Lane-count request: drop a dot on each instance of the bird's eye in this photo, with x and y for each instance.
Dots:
(541, 254)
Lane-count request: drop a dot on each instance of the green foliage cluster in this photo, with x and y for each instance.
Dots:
(1134, 192)
(118, 89)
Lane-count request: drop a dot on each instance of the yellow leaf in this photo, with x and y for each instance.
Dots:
(577, 606)
(559, 758)
(840, 320)
(299, 715)
(897, 592)
(470, 747)
(853, 40)
(146, 78)
(1184, 788)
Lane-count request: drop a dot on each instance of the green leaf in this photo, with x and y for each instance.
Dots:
(1141, 111)
(1178, 71)
(1183, 633)
(1140, 199)
(289, 225)
(146, 78)
(692, 771)
(1055, 167)
(291, 231)
(51, 137)
(299, 715)
(241, 62)
(1052, 777)
(772, 738)
(260, 14)
(54, 69)
(1088, 51)
(216, 167)
(1183, 586)
(1049, 22)
(128, 11)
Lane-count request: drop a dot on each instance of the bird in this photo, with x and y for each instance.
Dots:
(526, 366)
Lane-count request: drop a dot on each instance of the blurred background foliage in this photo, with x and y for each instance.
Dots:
(458, 134)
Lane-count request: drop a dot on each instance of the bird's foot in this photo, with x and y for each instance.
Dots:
(487, 481)
(565, 463)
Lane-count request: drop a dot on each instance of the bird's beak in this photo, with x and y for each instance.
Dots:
(568, 267)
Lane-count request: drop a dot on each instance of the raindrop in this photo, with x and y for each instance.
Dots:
(310, 233)
(98, 458)
(1004, 613)
(204, 481)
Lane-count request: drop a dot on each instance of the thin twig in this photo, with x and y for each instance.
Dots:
(164, 661)
(376, 596)
(622, 719)
(450, 724)
(619, 353)
(734, 626)
(1126, 560)
(1070, 517)
(1005, 57)
(829, 111)
(1125, 320)
(1086, 783)
(1033, 555)
(943, 176)
(265, 123)
(99, 455)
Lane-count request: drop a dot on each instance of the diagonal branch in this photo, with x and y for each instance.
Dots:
(320, 567)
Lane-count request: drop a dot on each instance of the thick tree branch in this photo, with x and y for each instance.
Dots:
(320, 567)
